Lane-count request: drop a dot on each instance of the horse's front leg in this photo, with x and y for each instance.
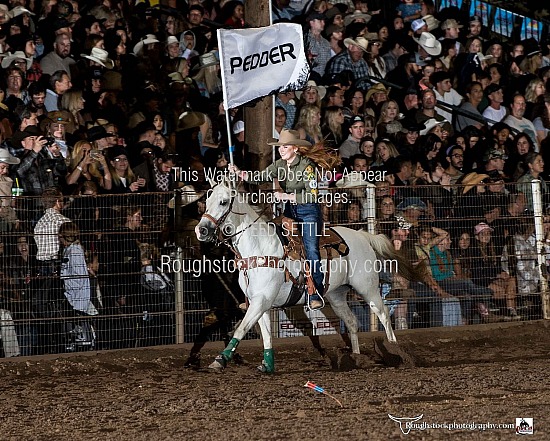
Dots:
(253, 314)
(268, 363)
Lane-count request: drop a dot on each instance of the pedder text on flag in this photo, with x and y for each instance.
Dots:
(275, 55)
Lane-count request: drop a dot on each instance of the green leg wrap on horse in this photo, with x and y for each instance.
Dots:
(269, 361)
(228, 351)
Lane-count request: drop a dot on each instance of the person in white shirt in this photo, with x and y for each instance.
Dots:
(444, 92)
(496, 112)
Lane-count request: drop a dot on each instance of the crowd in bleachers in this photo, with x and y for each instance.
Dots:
(106, 98)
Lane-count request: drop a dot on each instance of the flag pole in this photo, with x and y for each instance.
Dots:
(225, 106)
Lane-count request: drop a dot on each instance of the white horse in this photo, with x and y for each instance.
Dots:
(262, 277)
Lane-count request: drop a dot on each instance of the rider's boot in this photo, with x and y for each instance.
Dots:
(315, 301)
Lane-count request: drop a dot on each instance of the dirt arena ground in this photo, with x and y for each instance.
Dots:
(476, 375)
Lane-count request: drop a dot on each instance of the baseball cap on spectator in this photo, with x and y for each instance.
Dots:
(357, 15)
(172, 40)
(355, 119)
(491, 88)
(417, 24)
(95, 74)
(482, 226)
(531, 47)
(337, 9)
(332, 29)
(453, 147)
(475, 19)
(96, 133)
(238, 127)
(451, 23)
(315, 15)
(493, 154)
(412, 204)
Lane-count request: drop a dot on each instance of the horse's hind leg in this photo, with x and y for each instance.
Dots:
(381, 310)
(268, 363)
(341, 309)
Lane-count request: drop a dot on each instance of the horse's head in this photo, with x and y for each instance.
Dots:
(218, 207)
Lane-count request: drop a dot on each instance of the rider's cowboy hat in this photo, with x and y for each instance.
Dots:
(360, 42)
(188, 195)
(321, 90)
(99, 56)
(429, 43)
(289, 137)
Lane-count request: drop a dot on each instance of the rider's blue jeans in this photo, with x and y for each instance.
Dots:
(311, 227)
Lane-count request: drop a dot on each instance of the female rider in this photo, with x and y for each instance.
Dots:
(297, 175)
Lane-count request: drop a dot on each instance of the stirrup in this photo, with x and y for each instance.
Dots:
(314, 305)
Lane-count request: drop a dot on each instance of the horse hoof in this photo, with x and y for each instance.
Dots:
(218, 364)
(265, 369)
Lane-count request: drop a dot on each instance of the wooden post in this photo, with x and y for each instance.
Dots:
(258, 118)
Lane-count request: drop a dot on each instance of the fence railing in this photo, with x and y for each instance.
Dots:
(145, 280)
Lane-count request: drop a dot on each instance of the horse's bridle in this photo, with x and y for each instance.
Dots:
(219, 235)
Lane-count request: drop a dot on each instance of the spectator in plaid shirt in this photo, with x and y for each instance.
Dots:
(318, 47)
(352, 59)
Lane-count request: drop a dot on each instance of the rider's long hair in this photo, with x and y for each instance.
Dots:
(323, 157)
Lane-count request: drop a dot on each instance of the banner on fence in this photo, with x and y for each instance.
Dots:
(261, 61)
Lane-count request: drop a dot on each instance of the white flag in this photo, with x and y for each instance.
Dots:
(261, 61)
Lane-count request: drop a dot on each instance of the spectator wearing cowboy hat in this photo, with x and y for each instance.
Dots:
(352, 60)
(42, 164)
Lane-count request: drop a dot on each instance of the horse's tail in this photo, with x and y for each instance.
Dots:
(383, 247)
